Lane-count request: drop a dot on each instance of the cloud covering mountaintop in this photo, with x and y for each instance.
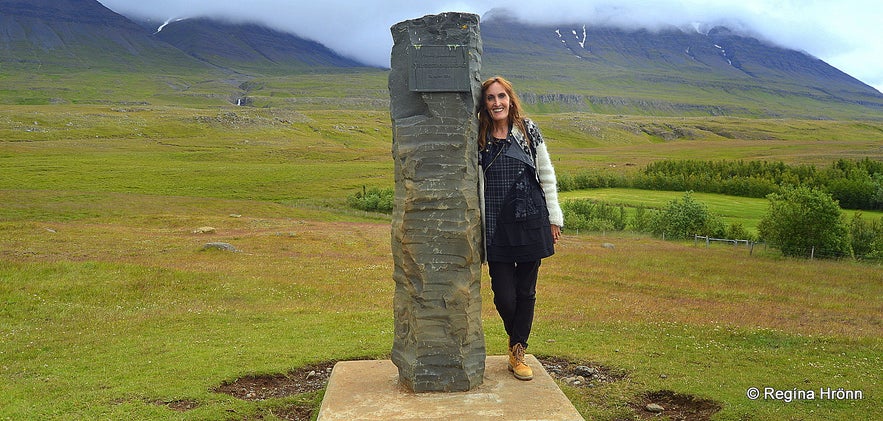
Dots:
(844, 33)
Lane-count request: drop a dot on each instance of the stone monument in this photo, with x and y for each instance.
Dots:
(437, 240)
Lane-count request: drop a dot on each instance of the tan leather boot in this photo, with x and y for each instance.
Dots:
(517, 365)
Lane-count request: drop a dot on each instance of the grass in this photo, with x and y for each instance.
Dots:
(618, 143)
(108, 305)
(106, 315)
(237, 153)
(714, 323)
(99, 322)
(745, 210)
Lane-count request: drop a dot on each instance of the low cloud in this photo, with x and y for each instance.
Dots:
(843, 33)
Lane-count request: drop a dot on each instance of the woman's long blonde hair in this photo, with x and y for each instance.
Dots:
(485, 122)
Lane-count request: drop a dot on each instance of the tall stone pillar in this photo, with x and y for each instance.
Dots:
(436, 223)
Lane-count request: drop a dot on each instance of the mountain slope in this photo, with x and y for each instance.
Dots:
(669, 72)
(555, 68)
(248, 46)
(78, 34)
(85, 34)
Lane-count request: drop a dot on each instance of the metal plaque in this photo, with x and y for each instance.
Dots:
(439, 68)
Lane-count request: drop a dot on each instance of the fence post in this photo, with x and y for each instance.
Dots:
(812, 253)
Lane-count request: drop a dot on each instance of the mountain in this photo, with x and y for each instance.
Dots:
(248, 46)
(672, 71)
(78, 34)
(571, 67)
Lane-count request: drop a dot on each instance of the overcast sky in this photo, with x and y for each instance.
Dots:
(845, 33)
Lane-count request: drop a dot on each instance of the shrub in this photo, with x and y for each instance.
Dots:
(854, 193)
(801, 220)
(866, 237)
(589, 180)
(644, 219)
(855, 184)
(736, 231)
(592, 215)
(685, 218)
(573, 220)
(373, 199)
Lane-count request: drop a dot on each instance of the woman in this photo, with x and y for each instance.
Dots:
(522, 218)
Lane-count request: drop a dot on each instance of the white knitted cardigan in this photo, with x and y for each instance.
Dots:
(546, 172)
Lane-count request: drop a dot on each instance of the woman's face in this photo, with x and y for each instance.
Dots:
(496, 100)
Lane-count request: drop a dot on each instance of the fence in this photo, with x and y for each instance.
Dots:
(708, 240)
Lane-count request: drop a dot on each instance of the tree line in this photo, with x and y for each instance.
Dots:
(800, 222)
(855, 184)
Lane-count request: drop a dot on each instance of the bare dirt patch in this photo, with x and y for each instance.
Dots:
(675, 406)
(306, 379)
(580, 374)
(270, 386)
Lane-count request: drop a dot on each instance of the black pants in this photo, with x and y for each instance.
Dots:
(514, 286)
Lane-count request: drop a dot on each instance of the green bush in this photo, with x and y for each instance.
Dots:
(802, 221)
(590, 215)
(735, 178)
(736, 231)
(681, 219)
(866, 237)
(373, 199)
(685, 218)
(644, 219)
(590, 180)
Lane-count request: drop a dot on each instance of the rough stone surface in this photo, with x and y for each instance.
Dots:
(436, 222)
(654, 407)
(219, 246)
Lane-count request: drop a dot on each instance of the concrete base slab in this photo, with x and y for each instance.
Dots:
(370, 390)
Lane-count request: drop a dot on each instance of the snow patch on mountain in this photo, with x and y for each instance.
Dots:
(580, 38)
(168, 21)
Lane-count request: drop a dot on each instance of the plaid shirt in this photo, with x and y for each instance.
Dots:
(501, 172)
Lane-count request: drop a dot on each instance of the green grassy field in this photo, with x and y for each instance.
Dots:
(744, 210)
(110, 309)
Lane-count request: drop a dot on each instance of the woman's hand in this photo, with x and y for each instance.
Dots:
(556, 233)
